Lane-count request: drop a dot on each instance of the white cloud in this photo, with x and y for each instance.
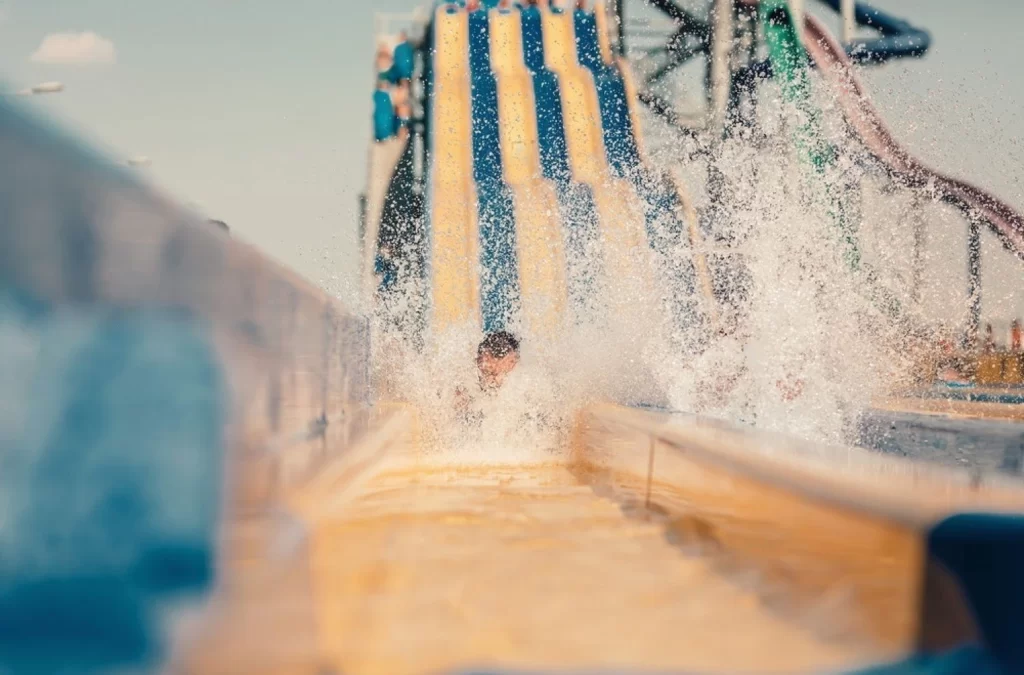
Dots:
(75, 48)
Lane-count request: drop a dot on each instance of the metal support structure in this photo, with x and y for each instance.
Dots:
(917, 269)
(973, 282)
(895, 39)
(677, 56)
(849, 20)
(796, 10)
(673, 11)
(720, 67)
(618, 16)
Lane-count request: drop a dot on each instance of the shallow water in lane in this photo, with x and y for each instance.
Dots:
(437, 566)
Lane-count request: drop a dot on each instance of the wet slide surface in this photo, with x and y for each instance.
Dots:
(433, 568)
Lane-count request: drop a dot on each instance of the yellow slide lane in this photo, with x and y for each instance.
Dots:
(541, 250)
(618, 207)
(579, 99)
(455, 283)
(660, 544)
(688, 213)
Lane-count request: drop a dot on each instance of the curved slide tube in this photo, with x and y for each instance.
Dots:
(899, 39)
(831, 59)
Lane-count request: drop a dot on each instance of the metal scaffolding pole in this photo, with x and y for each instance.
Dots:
(721, 49)
(917, 269)
(849, 20)
(973, 281)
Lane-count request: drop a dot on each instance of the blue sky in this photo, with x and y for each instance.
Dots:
(256, 111)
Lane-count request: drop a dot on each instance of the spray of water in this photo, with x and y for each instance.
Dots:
(802, 342)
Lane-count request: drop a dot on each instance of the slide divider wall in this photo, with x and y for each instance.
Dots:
(917, 558)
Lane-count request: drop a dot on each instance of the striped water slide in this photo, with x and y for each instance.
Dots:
(620, 213)
(576, 206)
(184, 416)
(540, 246)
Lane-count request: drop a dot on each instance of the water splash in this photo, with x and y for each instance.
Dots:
(803, 344)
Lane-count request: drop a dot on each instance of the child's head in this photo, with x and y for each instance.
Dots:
(496, 357)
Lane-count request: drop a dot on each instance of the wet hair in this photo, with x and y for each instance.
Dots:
(499, 345)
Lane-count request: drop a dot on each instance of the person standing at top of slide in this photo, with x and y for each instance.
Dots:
(383, 63)
(383, 113)
(404, 59)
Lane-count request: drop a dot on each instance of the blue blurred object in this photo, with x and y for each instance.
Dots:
(985, 553)
(899, 39)
(404, 61)
(112, 472)
(115, 400)
(383, 115)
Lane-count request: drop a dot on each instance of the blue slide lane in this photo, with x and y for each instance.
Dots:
(500, 278)
(619, 139)
(575, 200)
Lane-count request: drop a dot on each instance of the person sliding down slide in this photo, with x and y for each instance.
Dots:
(515, 398)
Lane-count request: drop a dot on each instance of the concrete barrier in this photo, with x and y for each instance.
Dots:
(161, 383)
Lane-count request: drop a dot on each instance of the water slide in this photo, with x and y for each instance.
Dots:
(869, 127)
(204, 483)
(668, 209)
(381, 168)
